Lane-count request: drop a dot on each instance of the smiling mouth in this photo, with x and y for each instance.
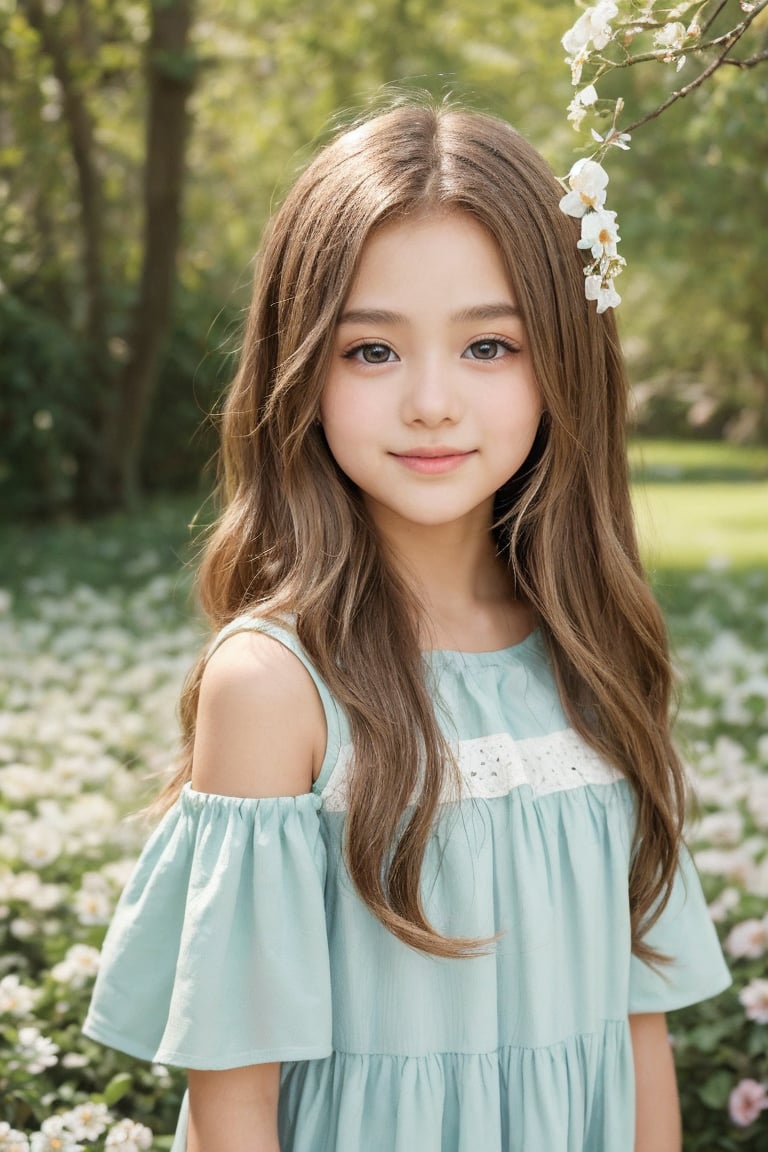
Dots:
(432, 461)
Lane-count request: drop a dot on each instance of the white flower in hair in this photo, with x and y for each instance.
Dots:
(602, 290)
(599, 233)
(588, 181)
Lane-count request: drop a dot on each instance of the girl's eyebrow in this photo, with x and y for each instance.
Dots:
(500, 311)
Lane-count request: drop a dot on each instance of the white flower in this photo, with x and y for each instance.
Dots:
(87, 1121)
(46, 896)
(595, 288)
(55, 1136)
(721, 829)
(34, 1051)
(588, 181)
(599, 233)
(16, 998)
(734, 864)
(728, 899)
(40, 844)
(593, 25)
(757, 801)
(577, 109)
(22, 928)
(615, 139)
(79, 965)
(129, 1136)
(748, 940)
(577, 62)
(754, 997)
(119, 872)
(93, 903)
(670, 38)
(11, 1140)
(22, 782)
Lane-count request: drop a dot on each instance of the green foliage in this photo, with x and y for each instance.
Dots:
(273, 77)
(41, 428)
(46, 431)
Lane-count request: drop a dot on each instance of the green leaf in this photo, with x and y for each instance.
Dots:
(117, 1088)
(714, 1093)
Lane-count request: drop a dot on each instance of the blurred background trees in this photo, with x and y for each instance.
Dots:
(144, 142)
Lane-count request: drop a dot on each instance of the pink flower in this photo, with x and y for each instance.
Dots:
(748, 940)
(754, 997)
(745, 1103)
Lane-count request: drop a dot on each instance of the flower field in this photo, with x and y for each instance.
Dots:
(90, 672)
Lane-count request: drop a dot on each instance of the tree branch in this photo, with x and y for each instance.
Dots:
(733, 38)
(749, 62)
(710, 21)
(696, 47)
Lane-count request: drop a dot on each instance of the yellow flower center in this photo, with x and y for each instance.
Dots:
(604, 237)
(587, 199)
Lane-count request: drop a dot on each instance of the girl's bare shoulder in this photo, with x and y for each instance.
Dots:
(260, 723)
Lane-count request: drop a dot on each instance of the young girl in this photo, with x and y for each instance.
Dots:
(421, 885)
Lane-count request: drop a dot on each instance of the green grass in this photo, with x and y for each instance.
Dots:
(692, 525)
(701, 503)
(702, 460)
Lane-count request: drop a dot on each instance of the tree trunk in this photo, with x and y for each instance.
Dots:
(170, 81)
(81, 135)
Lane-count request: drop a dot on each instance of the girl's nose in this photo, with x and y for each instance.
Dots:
(431, 396)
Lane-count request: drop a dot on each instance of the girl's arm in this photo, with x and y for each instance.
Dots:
(235, 1110)
(260, 731)
(657, 1109)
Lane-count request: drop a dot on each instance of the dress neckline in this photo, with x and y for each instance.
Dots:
(496, 656)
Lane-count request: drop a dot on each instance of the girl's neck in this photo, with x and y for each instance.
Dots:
(464, 586)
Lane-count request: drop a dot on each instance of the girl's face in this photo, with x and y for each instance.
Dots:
(430, 403)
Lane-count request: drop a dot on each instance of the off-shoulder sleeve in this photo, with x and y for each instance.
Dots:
(217, 956)
(685, 932)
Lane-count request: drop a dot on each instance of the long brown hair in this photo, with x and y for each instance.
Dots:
(293, 535)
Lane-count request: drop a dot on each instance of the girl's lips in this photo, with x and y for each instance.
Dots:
(432, 465)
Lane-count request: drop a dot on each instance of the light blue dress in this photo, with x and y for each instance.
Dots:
(240, 939)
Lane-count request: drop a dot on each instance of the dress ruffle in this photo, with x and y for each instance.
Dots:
(218, 953)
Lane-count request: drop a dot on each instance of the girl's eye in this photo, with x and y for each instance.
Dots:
(489, 349)
(373, 353)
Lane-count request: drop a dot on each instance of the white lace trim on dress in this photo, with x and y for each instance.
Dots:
(492, 766)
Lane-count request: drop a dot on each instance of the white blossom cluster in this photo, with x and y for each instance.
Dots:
(599, 27)
(90, 688)
(599, 231)
(89, 685)
(76, 1130)
(727, 686)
